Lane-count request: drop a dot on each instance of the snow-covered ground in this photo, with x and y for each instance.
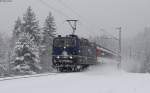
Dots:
(105, 78)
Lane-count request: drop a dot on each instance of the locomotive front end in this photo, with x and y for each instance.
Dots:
(65, 50)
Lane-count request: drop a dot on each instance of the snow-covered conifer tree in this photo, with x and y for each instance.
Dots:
(31, 25)
(26, 58)
(49, 30)
(16, 31)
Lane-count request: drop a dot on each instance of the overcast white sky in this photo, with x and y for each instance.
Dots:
(131, 15)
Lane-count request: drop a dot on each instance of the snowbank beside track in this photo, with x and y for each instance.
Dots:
(104, 78)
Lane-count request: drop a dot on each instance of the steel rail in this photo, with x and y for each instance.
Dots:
(26, 76)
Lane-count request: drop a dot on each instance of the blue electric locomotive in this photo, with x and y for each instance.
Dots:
(70, 53)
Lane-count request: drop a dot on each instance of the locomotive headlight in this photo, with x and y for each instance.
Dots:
(57, 57)
(70, 57)
(79, 51)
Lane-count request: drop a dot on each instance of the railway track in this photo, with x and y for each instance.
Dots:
(31, 76)
(26, 76)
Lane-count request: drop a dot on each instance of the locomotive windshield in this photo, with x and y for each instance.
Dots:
(64, 42)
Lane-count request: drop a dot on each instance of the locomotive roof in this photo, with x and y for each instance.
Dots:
(67, 36)
(71, 35)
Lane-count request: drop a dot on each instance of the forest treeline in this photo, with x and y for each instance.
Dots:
(28, 51)
(137, 52)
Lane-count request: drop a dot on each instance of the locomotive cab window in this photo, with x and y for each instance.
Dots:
(65, 42)
(70, 42)
(59, 42)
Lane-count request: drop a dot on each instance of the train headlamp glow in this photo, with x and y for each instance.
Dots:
(64, 53)
(70, 57)
(58, 57)
(79, 51)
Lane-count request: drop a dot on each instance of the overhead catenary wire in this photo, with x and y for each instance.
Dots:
(68, 17)
(73, 11)
(65, 15)
(82, 19)
(56, 10)
(112, 36)
(68, 7)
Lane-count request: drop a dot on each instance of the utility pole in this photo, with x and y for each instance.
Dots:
(73, 24)
(119, 52)
(119, 39)
(130, 52)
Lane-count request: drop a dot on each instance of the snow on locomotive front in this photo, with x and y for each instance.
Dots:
(72, 54)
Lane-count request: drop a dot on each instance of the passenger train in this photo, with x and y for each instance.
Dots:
(72, 54)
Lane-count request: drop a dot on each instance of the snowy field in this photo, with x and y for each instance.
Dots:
(105, 78)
